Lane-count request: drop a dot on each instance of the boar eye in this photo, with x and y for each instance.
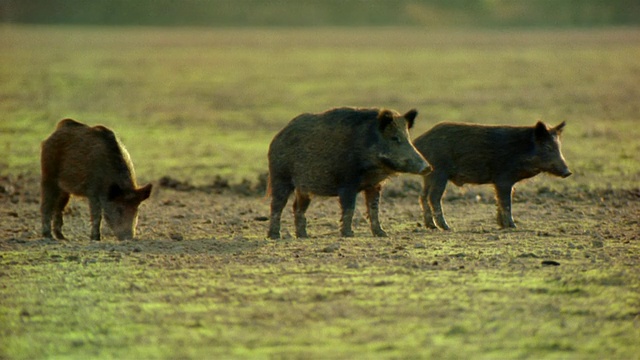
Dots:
(395, 139)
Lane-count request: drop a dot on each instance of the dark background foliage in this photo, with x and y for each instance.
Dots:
(430, 13)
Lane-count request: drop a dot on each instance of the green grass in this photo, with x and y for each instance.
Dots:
(293, 299)
(192, 103)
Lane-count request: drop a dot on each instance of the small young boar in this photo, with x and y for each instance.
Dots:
(480, 154)
(339, 152)
(89, 161)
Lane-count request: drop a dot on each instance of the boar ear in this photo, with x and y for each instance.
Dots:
(385, 117)
(114, 192)
(411, 117)
(541, 131)
(559, 127)
(144, 192)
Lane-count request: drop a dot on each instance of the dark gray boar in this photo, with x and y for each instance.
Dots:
(89, 161)
(481, 154)
(339, 152)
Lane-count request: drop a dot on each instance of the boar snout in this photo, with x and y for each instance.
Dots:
(126, 236)
(415, 165)
(561, 171)
(423, 167)
(124, 231)
(426, 170)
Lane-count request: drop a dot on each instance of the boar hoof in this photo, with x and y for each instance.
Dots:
(302, 234)
(59, 236)
(348, 233)
(444, 226)
(506, 223)
(430, 225)
(380, 233)
(273, 235)
(441, 222)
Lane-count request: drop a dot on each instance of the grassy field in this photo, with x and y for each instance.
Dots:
(203, 282)
(193, 103)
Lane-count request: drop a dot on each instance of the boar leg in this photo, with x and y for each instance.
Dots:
(372, 196)
(95, 208)
(300, 205)
(348, 203)
(279, 196)
(424, 204)
(503, 193)
(437, 185)
(49, 195)
(61, 203)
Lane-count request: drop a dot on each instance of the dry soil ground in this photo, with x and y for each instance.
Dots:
(201, 264)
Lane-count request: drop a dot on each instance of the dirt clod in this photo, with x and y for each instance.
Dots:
(550, 263)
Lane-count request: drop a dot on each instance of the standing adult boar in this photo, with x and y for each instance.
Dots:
(91, 162)
(481, 154)
(339, 152)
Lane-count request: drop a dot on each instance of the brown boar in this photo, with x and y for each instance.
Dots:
(91, 162)
(339, 152)
(482, 154)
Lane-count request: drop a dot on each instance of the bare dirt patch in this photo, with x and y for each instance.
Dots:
(202, 273)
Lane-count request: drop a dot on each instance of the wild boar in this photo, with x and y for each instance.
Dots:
(90, 162)
(340, 152)
(482, 154)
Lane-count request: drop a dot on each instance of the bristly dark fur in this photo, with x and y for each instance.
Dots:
(119, 156)
(339, 152)
(91, 162)
(484, 154)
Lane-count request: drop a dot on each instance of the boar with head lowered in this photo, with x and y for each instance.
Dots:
(91, 162)
(340, 152)
(484, 154)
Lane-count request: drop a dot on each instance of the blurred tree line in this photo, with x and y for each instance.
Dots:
(433, 13)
